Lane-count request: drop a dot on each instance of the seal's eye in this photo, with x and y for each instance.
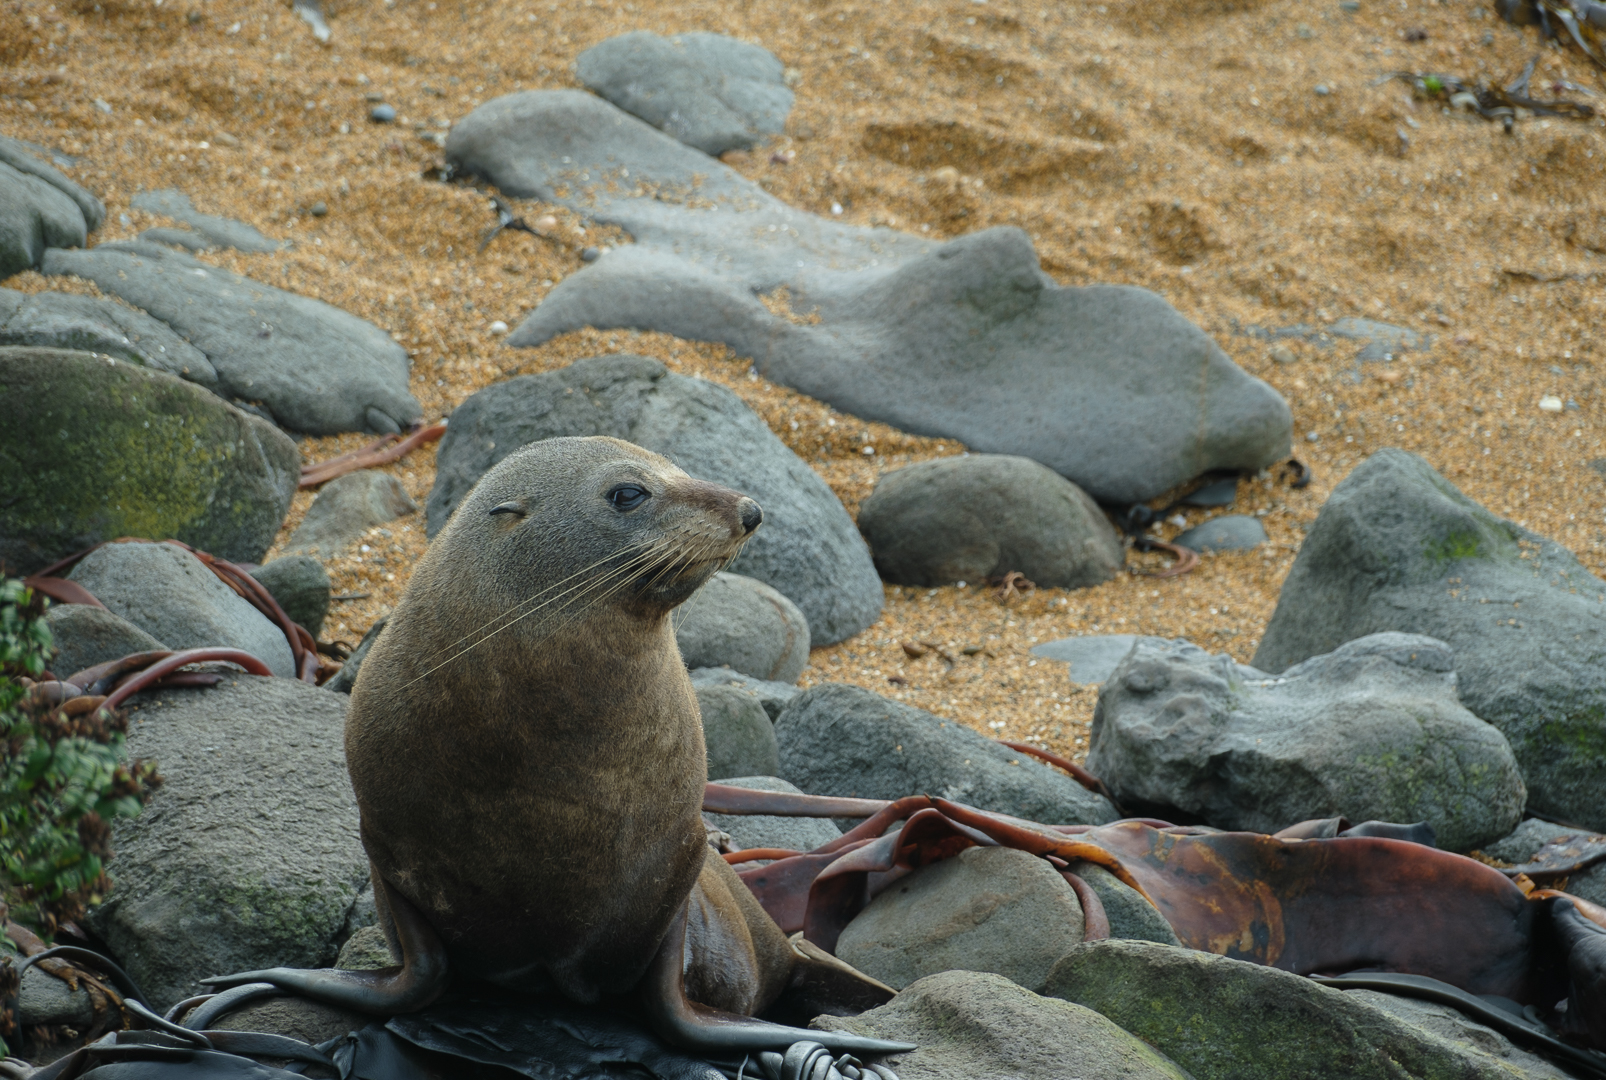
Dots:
(508, 508)
(627, 497)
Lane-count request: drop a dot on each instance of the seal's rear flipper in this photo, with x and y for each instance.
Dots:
(690, 1026)
(382, 992)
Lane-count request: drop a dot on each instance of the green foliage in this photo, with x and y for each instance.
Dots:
(63, 779)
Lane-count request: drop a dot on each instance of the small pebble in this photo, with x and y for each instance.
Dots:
(547, 222)
(1350, 6)
(1322, 89)
(499, 327)
(590, 254)
(836, 208)
(1304, 31)
(374, 96)
(319, 209)
(1310, 436)
(1550, 403)
(382, 114)
(102, 106)
(1282, 354)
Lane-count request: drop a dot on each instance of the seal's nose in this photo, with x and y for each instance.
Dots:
(752, 514)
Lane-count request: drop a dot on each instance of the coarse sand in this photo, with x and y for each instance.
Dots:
(1250, 160)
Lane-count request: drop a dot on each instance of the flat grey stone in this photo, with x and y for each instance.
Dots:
(93, 448)
(843, 740)
(738, 733)
(219, 231)
(346, 508)
(24, 157)
(1371, 731)
(85, 636)
(312, 366)
(1108, 385)
(1521, 844)
(707, 90)
(295, 1018)
(743, 624)
(768, 830)
(188, 239)
(300, 584)
(1397, 547)
(807, 549)
(346, 677)
(1131, 917)
(975, 516)
(1092, 657)
(248, 856)
(986, 909)
(1382, 333)
(773, 696)
(974, 1026)
(1441, 1022)
(57, 320)
(1231, 532)
(1225, 1019)
(171, 595)
(34, 217)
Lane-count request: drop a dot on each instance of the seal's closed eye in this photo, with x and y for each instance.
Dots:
(508, 508)
(628, 496)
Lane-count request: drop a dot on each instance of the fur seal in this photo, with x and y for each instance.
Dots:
(528, 758)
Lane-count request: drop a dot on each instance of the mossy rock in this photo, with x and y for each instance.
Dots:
(94, 448)
(1223, 1019)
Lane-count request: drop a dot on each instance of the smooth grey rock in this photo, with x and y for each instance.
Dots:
(344, 679)
(807, 549)
(773, 696)
(57, 320)
(248, 856)
(85, 636)
(1232, 532)
(1108, 385)
(1225, 1019)
(20, 156)
(707, 90)
(1372, 732)
(1384, 340)
(837, 739)
(1130, 916)
(741, 623)
(975, 1026)
(219, 231)
(171, 595)
(296, 1018)
(346, 508)
(1523, 842)
(46, 1000)
(738, 733)
(366, 950)
(301, 586)
(34, 217)
(1442, 1023)
(1397, 547)
(188, 239)
(768, 830)
(93, 448)
(1092, 657)
(986, 909)
(314, 367)
(971, 517)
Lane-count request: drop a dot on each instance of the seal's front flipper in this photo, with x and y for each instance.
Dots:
(381, 992)
(690, 1026)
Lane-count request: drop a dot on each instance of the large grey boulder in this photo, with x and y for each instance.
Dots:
(971, 517)
(707, 90)
(312, 366)
(837, 739)
(1224, 1019)
(171, 595)
(773, 697)
(346, 508)
(986, 909)
(85, 635)
(34, 217)
(743, 624)
(737, 733)
(1130, 916)
(1108, 385)
(1092, 657)
(248, 857)
(92, 448)
(208, 230)
(300, 585)
(974, 1026)
(25, 159)
(1441, 1023)
(58, 320)
(1397, 547)
(807, 549)
(770, 830)
(1372, 732)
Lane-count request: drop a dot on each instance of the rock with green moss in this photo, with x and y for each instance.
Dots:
(93, 448)
(1398, 547)
(1223, 1019)
(1371, 731)
(248, 857)
(978, 1026)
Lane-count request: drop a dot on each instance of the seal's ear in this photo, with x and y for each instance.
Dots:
(509, 508)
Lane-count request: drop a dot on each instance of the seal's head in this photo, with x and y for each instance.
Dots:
(580, 519)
